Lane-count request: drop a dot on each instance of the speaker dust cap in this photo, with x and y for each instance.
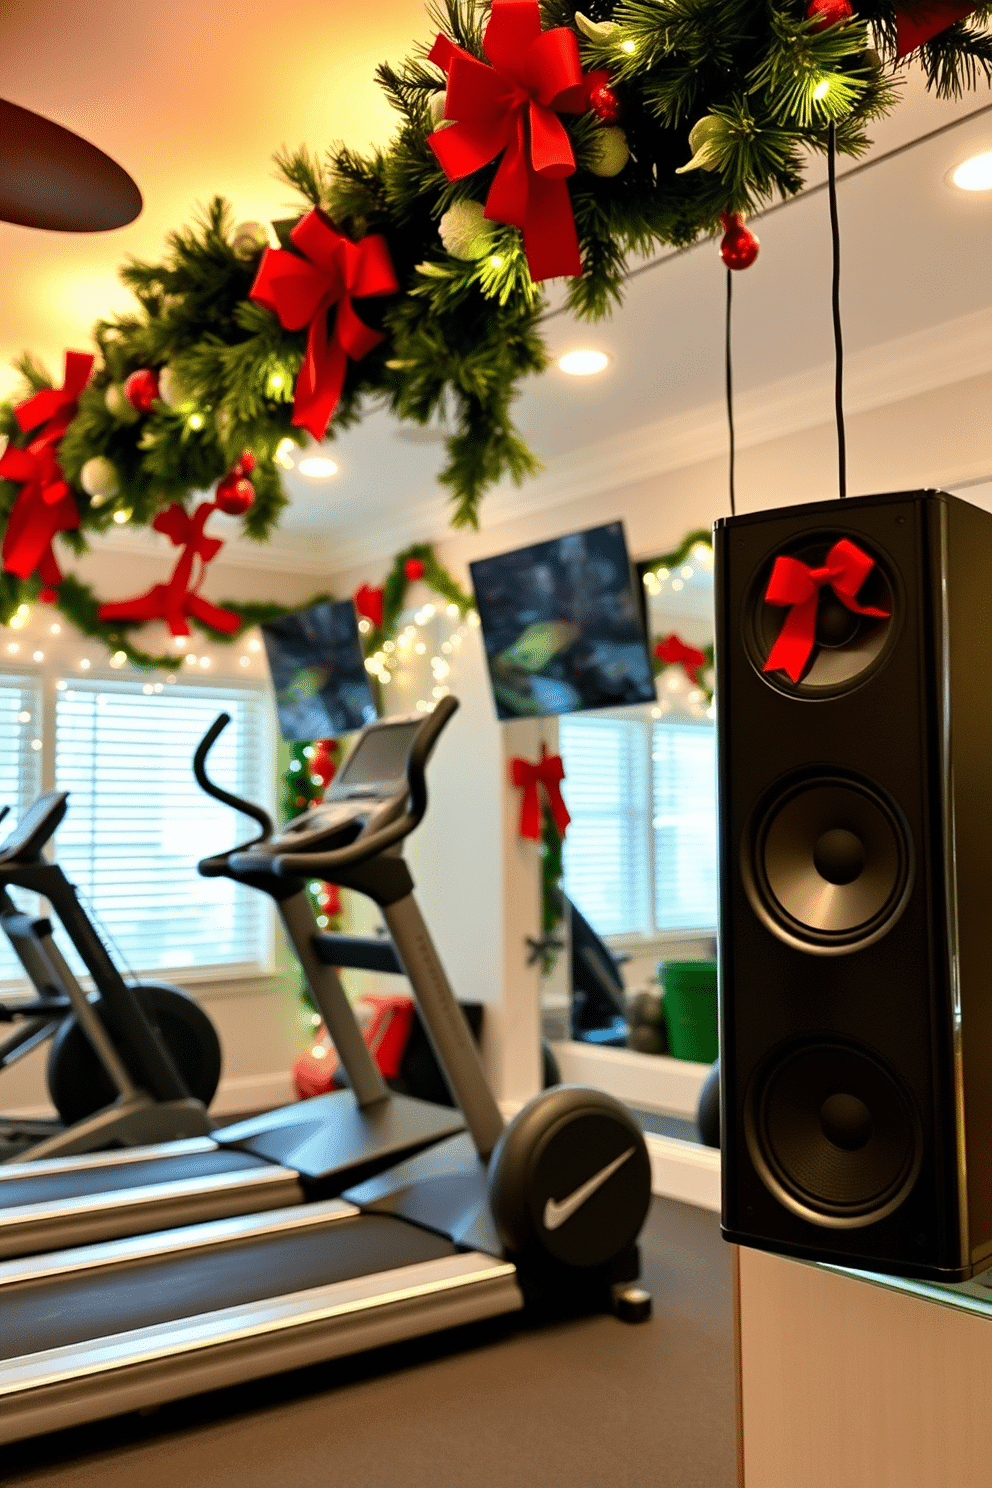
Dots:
(827, 863)
(833, 1134)
(821, 614)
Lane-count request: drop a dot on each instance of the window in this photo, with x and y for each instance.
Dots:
(20, 772)
(640, 853)
(137, 821)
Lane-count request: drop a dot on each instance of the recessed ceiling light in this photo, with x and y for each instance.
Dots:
(973, 174)
(583, 362)
(317, 467)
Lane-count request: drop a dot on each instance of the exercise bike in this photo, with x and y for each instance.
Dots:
(541, 1213)
(133, 1065)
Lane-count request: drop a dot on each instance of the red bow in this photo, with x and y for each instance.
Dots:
(549, 772)
(673, 651)
(43, 507)
(922, 20)
(793, 584)
(302, 289)
(369, 603)
(173, 601)
(57, 407)
(510, 106)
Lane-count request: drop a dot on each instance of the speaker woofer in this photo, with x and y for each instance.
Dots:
(833, 1135)
(848, 647)
(829, 865)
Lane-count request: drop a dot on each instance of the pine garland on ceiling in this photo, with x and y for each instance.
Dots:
(684, 110)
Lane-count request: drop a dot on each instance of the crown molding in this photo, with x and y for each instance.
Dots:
(889, 373)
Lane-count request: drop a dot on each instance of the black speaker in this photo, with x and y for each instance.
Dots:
(854, 704)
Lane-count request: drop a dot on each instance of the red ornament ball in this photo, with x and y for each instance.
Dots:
(414, 569)
(141, 390)
(739, 247)
(604, 103)
(234, 494)
(828, 13)
(246, 464)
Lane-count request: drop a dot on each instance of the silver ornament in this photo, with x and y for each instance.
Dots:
(99, 479)
(464, 230)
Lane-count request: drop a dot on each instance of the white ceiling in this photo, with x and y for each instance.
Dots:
(193, 100)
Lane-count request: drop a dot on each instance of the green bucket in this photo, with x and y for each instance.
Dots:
(691, 1009)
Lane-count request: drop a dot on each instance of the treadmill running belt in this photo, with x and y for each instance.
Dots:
(42, 1188)
(59, 1310)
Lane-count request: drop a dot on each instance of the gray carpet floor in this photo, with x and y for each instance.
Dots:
(591, 1402)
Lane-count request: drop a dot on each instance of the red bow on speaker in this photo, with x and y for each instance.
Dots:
(793, 583)
(549, 772)
(302, 287)
(173, 601)
(510, 108)
(673, 651)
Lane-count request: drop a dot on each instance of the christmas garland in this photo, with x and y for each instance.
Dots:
(533, 143)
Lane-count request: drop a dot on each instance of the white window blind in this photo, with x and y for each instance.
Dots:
(684, 788)
(20, 776)
(640, 852)
(137, 821)
(607, 861)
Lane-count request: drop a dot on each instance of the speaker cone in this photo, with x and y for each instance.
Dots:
(847, 647)
(833, 1134)
(829, 865)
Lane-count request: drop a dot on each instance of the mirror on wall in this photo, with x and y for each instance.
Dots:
(639, 859)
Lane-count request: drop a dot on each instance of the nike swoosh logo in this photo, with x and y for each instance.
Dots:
(556, 1211)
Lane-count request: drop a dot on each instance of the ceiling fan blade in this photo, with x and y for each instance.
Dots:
(51, 178)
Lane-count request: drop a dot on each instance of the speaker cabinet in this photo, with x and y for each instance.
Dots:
(854, 691)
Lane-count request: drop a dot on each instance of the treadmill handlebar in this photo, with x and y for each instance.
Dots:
(372, 840)
(217, 865)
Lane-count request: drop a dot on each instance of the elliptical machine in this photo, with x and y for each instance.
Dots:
(138, 1064)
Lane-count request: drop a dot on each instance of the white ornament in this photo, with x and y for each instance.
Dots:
(464, 230)
(248, 240)
(99, 480)
(706, 140)
(436, 106)
(611, 154)
(169, 389)
(120, 404)
(596, 30)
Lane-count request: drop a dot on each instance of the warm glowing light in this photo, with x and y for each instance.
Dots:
(244, 661)
(687, 571)
(283, 456)
(118, 659)
(677, 585)
(204, 662)
(84, 665)
(17, 622)
(388, 647)
(61, 686)
(39, 656)
(275, 384)
(23, 609)
(55, 630)
(122, 516)
(364, 626)
(195, 421)
(148, 689)
(318, 467)
(973, 174)
(24, 717)
(821, 90)
(583, 362)
(628, 47)
(495, 260)
(13, 648)
(420, 648)
(190, 659)
(254, 645)
(181, 643)
(35, 743)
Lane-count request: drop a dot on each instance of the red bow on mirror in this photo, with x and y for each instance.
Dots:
(527, 776)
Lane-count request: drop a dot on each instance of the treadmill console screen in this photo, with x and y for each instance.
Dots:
(379, 756)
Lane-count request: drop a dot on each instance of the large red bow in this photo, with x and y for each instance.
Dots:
(549, 772)
(43, 507)
(510, 106)
(302, 289)
(673, 651)
(793, 584)
(57, 407)
(173, 601)
(921, 20)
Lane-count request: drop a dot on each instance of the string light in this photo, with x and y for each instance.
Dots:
(284, 451)
(254, 645)
(84, 665)
(122, 516)
(118, 659)
(195, 421)
(39, 656)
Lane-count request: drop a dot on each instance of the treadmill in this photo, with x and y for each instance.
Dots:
(542, 1213)
(301, 1152)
